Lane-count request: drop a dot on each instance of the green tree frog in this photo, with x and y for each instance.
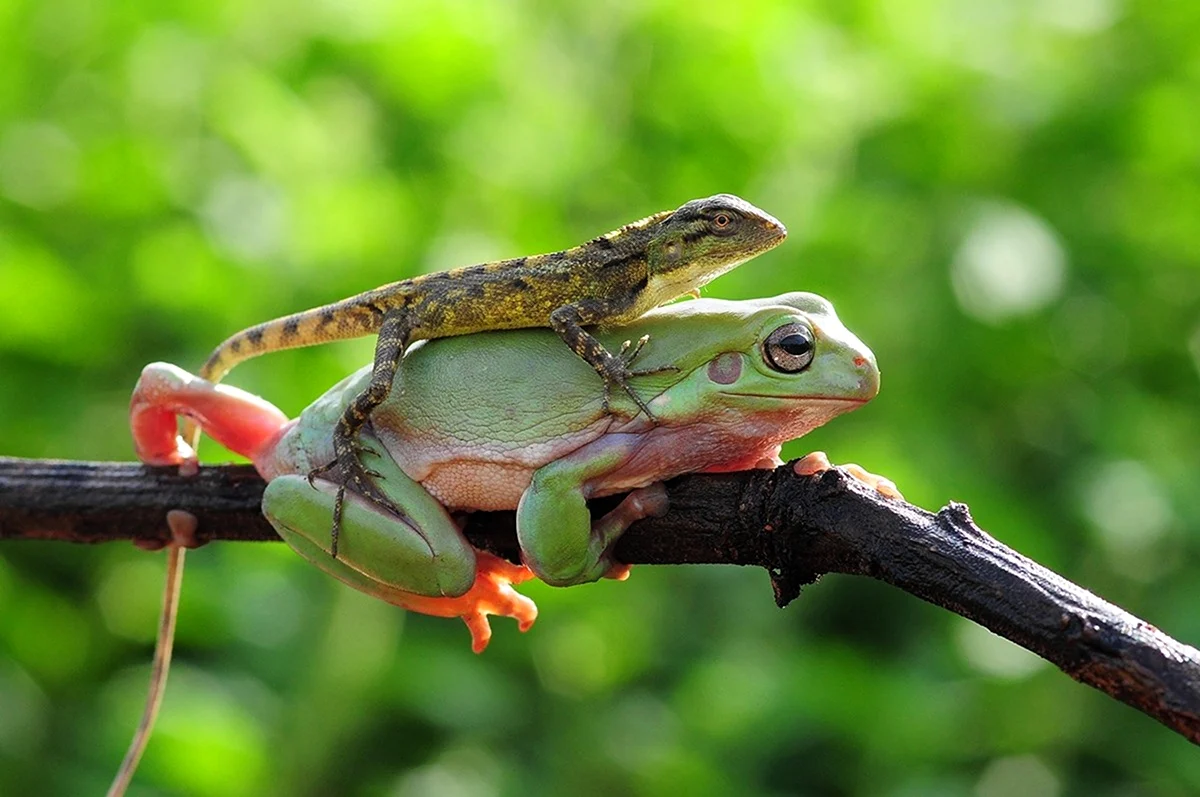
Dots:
(514, 420)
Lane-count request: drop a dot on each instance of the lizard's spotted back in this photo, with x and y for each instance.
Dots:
(617, 276)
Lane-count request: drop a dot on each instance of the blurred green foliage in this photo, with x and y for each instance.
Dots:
(1001, 198)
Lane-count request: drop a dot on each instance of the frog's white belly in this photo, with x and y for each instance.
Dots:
(487, 476)
(485, 486)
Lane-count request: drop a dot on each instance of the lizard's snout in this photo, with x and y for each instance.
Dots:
(774, 226)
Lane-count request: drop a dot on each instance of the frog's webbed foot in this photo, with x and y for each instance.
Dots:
(817, 462)
(423, 563)
(492, 593)
(620, 373)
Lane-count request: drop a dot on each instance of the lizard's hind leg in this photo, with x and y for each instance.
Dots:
(347, 469)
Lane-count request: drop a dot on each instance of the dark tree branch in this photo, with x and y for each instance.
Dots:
(798, 528)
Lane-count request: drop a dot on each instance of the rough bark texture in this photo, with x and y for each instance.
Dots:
(798, 528)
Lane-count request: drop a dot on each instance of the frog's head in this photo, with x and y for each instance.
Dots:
(772, 370)
(704, 238)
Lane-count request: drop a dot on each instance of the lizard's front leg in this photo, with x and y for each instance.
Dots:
(568, 321)
(394, 336)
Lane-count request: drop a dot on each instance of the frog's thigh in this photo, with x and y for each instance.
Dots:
(378, 552)
(558, 539)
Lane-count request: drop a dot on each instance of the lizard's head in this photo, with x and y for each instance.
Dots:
(706, 237)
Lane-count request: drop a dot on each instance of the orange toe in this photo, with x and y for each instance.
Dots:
(812, 464)
(497, 567)
(817, 462)
(883, 485)
(492, 593)
(619, 572)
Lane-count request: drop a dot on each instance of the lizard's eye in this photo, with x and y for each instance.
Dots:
(724, 223)
(790, 348)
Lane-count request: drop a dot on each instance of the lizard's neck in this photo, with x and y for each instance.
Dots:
(624, 243)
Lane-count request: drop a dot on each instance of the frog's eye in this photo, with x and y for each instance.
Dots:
(790, 348)
(724, 223)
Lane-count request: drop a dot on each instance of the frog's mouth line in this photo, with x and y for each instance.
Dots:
(847, 400)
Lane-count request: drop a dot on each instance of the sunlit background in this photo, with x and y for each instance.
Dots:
(1001, 198)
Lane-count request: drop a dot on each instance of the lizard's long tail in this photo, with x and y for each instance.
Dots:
(158, 673)
(350, 318)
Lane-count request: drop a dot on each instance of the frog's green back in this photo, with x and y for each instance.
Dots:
(508, 390)
(498, 386)
(519, 383)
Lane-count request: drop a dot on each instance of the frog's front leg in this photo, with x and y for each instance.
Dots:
(560, 542)
(420, 561)
(818, 462)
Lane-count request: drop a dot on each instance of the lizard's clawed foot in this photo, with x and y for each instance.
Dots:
(616, 372)
(492, 593)
(347, 460)
(349, 473)
(817, 462)
(630, 350)
(629, 353)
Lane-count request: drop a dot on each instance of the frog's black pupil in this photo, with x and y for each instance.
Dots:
(796, 345)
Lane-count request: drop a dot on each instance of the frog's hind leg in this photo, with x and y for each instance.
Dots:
(238, 420)
(420, 561)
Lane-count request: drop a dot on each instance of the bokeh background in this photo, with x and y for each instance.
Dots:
(1001, 198)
